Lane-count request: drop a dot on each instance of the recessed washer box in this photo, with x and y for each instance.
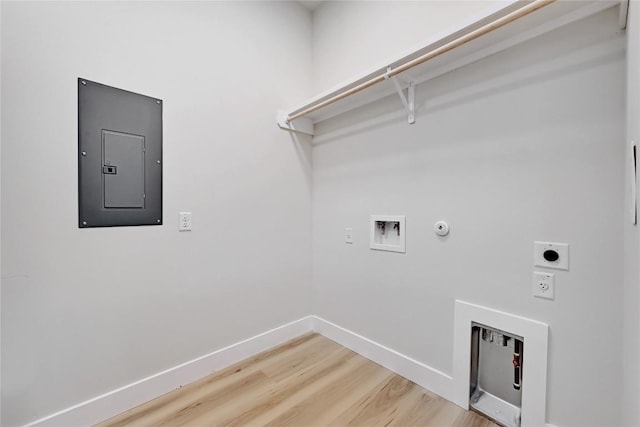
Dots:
(119, 157)
(387, 233)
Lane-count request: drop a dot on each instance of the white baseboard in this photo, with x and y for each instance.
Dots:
(421, 374)
(117, 401)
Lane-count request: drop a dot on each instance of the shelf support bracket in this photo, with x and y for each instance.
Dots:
(300, 125)
(409, 104)
(412, 103)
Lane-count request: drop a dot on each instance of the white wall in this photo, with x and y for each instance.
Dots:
(86, 311)
(351, 37)
(525, 145)
(631, 348)
(0, 226)
(509, 150)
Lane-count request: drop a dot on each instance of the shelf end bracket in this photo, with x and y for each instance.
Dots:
(300, 125)
(409, 104)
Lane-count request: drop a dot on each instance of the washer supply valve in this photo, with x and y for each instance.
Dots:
(517, 364)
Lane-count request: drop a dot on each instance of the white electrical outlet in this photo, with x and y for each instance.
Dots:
(348, 235)
(185, 221)
(543, 285)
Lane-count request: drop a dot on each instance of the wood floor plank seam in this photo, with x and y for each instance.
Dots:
(295, 387)
(309, 381)
(189, 392)
(314, 409)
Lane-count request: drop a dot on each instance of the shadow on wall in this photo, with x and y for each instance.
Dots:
(303, 146)
(500, 73)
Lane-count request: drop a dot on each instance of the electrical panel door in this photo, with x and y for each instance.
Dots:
(119, 157)
(123, 170)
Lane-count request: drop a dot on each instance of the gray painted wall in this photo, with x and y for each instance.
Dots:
(525, 145)
(509, 150)
(87, 311)
(631, 347)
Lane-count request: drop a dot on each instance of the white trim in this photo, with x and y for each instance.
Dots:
(117, 401)
(534, 377)
(421, 374)
(454, 389)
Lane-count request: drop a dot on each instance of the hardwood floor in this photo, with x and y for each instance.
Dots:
(309, 381)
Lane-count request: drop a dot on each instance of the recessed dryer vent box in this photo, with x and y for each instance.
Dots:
(119, 157)
(388, 233)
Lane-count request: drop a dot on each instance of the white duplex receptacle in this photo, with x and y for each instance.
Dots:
(543, 285)
(387, 233)
(185, 221)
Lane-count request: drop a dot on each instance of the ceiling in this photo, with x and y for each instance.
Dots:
(311, 4)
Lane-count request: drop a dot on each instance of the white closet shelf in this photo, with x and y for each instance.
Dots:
(541, 17)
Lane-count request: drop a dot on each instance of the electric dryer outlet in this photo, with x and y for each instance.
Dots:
(543, 285)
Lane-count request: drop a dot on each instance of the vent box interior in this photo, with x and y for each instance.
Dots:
(387, 233)
(496, 374)
(119, 157)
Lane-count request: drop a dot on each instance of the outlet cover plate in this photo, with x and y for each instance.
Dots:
(543, 285)
(562, 263)
(348, 235)
(185, 221)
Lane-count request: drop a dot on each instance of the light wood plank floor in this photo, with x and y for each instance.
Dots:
(307, 382)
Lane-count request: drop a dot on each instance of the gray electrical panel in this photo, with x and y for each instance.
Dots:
(119, 157)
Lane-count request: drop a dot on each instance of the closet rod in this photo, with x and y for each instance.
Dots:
(500, 22)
